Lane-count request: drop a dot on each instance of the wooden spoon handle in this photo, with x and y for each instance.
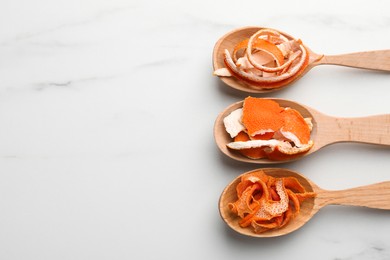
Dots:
(371, 129)
(375, 60)
(372, 196)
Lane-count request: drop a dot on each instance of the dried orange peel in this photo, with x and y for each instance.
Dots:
(250, 60)
(265, 202)
(264, 129)
(253, 153)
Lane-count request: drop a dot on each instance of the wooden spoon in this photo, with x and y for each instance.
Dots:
(326, 130)
(374, 60)
(373, 196)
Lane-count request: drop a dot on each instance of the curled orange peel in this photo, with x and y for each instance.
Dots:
(266, 82)
(259, 44)
(290, 63)
(268, 47)
(243, 206)
(268, 202)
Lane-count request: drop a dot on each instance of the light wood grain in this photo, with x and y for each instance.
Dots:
(374, 60)
(326, 130)
(372, 196)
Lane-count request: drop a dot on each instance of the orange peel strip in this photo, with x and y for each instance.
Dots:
(242, 206)
(249, 179)
(263, 45)
(260, 227)
(287, 217)
(253, 153)
(270, 49)
(281, 153)
(263, 80)
(295, 201)
(265, 136)
(293, 184)
(306, 195)
(281, 83)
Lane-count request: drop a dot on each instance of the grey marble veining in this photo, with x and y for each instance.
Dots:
(106, 117)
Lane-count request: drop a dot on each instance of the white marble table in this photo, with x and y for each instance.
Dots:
(106, 144)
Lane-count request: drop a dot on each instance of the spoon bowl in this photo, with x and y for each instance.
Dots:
(372, 196)
(375, 60)
(326, 130)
